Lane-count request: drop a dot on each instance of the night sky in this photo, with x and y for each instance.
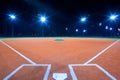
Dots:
(63, 17)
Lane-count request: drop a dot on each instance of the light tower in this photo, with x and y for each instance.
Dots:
(12, 17)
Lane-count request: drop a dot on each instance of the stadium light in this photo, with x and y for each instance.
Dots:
(83, 19)
(113, 17)
(43, 19)
(106, 27)
(111, 29)
(100, 24)
(12, 16)
(77, 30)
(66, 28)
(84, 30)
(118, 29)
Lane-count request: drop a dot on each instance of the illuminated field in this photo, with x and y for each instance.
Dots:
(39, 58)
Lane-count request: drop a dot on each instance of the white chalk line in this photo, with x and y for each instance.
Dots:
(87, 64)
(72, 72)
(103, 70)
(30, 61)
(70, 65)
(74, 77)
(24, 57)
(101, 52)
(29, 65)
(12, 73)
(47, 72)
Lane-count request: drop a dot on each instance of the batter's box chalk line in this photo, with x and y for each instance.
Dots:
(74, 77)
(20, 67)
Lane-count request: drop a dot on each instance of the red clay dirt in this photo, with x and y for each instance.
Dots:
(90, 73)
(110, 60)
(28, 72)
(60, 55)
(8, 61)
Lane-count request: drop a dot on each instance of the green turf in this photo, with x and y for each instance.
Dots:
(58, 38)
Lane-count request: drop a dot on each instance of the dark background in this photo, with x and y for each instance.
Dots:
(61, 14)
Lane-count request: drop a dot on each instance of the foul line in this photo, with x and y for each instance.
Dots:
(30, 61)
(89, 65)
(74, 77)
(101, 52)
(20, 67)
(12, 73)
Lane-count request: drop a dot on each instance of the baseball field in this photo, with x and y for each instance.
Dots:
(59, 59)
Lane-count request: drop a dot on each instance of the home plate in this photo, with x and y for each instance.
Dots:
(60, 76)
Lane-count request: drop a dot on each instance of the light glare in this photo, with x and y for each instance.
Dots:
(43, 19)
(111, 29)
(76, 30)
(84, 30)
(119, 29)
(100, 24)
(113, 17)
(66, 28)
(83, 19)
(12, 16)
(106, 27)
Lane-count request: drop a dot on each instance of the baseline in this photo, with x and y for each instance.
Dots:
(24, 57)
(101, 52)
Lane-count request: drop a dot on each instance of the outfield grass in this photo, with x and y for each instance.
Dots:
(2, 38)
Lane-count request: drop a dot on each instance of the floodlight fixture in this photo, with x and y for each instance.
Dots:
(84, 30)
(83, 19)
(113, 17)
(12, 16)
(106, 27)
(43, 19)
(111, 29)
(66, 28)
(100, 24)
(118, 29)
(77, 30)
